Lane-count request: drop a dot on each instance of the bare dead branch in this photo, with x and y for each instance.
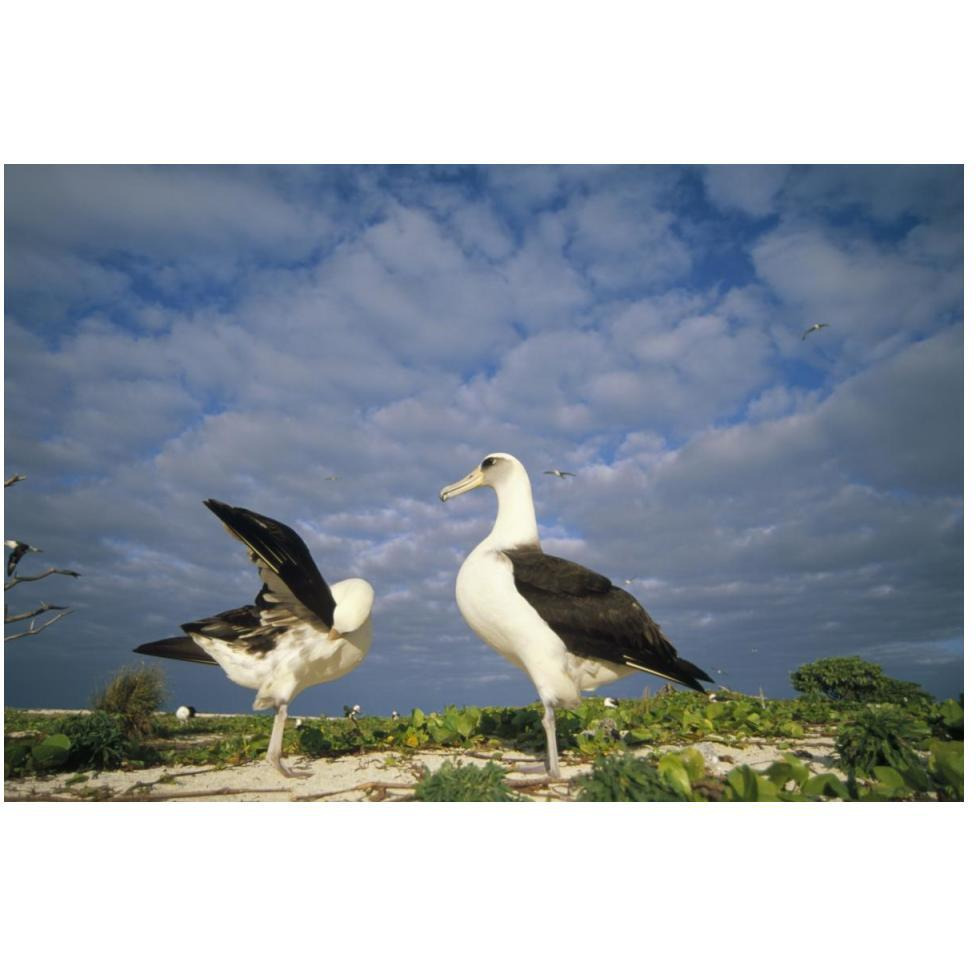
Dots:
(32, 630)
(11, 583)
(13, 479)
(193, 794)
(356, 788)
(27, 614)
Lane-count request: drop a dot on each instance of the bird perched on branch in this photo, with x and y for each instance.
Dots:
(298, 632)
(568, 628)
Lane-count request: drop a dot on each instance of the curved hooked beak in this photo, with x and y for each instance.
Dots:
(473, 480)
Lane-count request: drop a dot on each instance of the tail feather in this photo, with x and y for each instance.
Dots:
(688, 673)
(177, 649)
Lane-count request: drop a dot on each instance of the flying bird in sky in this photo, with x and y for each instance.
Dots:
(816, 327)
(298, 632)
(561, 474)
(568, 628)
(17, 551)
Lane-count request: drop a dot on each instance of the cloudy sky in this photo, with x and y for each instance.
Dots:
(178, 333)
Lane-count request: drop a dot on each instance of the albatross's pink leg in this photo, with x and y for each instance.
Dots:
(274, 746)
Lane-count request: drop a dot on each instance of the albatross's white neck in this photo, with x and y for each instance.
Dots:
(515, 524)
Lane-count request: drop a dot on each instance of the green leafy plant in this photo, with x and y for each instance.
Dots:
(457, 783)
(627, 778)
(946, 719)
(15, 758)
(851, 679)
(51, 752)
(945, 767)
(826, 785)
(98, 740)
(744, 784)
(134, 695)
(882, 735)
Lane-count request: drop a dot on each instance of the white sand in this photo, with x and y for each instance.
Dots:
(382, 776)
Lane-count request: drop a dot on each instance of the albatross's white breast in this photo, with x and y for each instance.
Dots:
(495, 610)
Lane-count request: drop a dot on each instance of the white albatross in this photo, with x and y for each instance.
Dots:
(298, 632)
(816, 327)
(568, 628)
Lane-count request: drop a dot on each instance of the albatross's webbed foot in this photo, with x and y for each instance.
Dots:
(286, 771)
(274, 746)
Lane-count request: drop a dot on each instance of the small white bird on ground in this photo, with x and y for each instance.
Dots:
(184, 713)
(394, 714)
(816, 327)
(609, 702)
(560, 474)
(298, 632)
(568, 628)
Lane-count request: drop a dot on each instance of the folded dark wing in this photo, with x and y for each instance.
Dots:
(596, 619)
(292, 581)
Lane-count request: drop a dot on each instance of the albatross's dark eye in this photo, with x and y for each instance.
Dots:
(488, 462)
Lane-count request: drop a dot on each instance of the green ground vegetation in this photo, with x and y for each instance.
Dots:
(909, 751)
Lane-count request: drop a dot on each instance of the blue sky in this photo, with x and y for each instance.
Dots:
(177, 333)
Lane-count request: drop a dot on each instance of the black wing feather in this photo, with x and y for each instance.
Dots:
(284, 562)
(243, 627)
(177, 649)
(596, 619)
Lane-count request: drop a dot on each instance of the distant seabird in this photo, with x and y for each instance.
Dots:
(352, 713)
(394, 714)
(184, 713)
(609, 702)
(816, 327)
(568, 628)
(17, 551)
(560, 474)
(298, 632)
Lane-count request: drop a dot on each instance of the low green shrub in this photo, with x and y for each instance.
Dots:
(133, 695)
(882, 735)
(457, 783)
(97, 741)
(626, 778)
(851, 679)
